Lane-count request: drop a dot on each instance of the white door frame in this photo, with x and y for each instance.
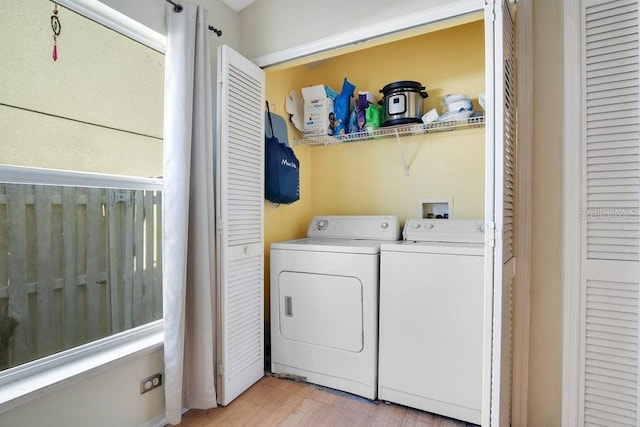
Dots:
(572, 205)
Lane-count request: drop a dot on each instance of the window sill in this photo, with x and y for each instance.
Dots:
(32, 380)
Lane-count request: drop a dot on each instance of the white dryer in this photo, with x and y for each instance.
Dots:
(431, 318)
(324, 302)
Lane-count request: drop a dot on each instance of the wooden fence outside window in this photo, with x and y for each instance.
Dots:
(76, 264)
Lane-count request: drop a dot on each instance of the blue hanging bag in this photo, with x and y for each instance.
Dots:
(281, 168)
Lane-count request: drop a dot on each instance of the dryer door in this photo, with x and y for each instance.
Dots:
(321, 309)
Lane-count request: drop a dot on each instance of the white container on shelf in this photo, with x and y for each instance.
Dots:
(318, 109)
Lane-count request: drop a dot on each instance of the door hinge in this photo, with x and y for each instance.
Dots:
(490, 10)
(220, 370)
(491, 234)
(219, 224)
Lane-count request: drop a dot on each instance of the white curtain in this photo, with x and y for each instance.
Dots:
(189, 227)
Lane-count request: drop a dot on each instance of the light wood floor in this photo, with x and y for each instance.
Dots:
(282, 402)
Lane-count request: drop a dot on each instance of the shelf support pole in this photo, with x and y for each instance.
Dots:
(404, 158)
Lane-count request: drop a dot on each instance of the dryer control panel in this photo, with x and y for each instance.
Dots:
(368, 227)
(444, 230)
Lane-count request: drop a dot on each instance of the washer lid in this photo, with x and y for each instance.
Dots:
(312, 244)
(372, 227)
(444, 230)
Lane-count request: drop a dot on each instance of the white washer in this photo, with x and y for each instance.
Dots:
(431, 305)
(324, 302)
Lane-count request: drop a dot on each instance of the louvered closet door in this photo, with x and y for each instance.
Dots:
(240, 189)
(501, 203)
(610, 202)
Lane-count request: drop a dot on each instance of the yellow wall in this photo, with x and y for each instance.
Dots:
(285, 222)
(368, 178)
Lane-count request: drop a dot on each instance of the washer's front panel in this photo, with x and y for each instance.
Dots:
(430, 354)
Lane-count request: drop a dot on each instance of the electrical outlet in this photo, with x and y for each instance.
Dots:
(150, 382)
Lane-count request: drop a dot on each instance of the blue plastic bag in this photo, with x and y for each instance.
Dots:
(341, 107)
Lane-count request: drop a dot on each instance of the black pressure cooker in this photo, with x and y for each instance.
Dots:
(402, 103)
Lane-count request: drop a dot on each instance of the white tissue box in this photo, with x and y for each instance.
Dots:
(317, 111)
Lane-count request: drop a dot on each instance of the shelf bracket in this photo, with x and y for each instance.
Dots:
(404, 158)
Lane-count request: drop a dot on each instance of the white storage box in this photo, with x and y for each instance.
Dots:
(317, 111)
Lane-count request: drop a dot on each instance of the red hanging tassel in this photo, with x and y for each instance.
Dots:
(55, 27)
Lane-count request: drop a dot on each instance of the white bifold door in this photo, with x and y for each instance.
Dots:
(609, 215)
(240, 220)
(500, 212)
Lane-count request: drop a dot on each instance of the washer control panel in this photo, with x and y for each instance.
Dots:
(368, 227)
(444, 230)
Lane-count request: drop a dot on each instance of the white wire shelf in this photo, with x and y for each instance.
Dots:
(393, 131)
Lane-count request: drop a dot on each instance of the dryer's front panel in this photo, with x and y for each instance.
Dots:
(324, 318)
(321, 309)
